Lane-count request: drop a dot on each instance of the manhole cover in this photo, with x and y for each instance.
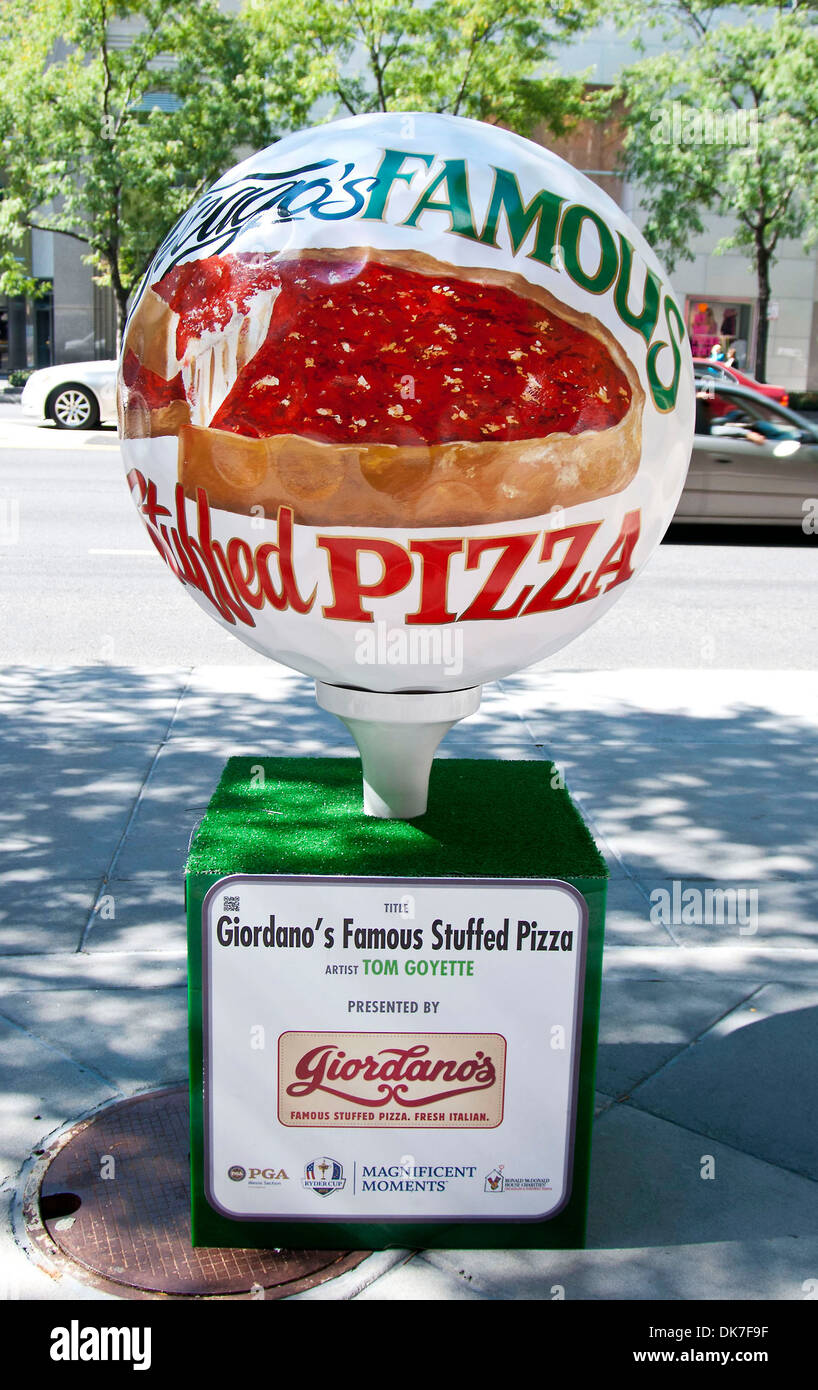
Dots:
(115, 1199)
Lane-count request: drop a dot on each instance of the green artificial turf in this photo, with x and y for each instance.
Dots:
(305, 816)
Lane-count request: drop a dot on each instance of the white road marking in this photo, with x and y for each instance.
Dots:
(77, 444)
(15, 434)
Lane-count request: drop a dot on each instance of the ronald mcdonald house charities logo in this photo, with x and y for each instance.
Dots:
(379, 1080)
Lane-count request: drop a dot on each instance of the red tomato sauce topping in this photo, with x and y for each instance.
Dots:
(154, 389)
(206, 293)
(371, 353)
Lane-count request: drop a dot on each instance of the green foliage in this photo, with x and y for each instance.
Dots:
(742, 140)
(489, 59)
(84, 150)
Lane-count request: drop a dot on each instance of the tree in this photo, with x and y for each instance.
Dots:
(490, 59)
(86, 150)
(727, 122)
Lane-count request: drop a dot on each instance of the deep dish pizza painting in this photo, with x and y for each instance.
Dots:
(380, 389)
(405, 326)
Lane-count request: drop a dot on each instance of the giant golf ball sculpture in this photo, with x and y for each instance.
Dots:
(405, 403)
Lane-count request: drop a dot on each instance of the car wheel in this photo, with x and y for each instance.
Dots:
(73, 408)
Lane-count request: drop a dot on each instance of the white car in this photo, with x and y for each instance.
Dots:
(76, 396)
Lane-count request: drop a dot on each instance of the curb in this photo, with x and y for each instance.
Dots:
(349, 1285)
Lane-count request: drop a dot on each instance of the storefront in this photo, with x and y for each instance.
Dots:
(72, 318)
(722, 326)
(26, 331)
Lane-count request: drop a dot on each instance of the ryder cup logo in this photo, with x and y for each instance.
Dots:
(324, 1175)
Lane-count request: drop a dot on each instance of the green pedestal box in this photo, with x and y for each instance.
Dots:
(393, 1024)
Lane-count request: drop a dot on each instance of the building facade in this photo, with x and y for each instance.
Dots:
(718, 293)
(73, 320)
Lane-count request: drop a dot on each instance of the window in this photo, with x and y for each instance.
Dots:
(737, 417)
(722, 326)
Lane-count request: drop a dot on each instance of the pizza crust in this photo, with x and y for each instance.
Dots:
(457, 483)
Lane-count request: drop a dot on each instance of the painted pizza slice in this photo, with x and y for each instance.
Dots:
(379, 388)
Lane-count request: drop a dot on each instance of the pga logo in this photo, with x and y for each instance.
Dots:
(237, 1174)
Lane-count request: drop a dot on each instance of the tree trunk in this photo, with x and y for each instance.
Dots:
(121, 296)
(763, 274)
(121, 293)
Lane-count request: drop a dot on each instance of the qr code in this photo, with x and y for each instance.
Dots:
(231, 904)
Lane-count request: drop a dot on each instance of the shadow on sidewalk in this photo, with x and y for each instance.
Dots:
(108, 770)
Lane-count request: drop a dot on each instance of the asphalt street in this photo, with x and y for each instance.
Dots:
(81, 582)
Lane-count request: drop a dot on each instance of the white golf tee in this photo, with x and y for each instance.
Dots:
(397, 737)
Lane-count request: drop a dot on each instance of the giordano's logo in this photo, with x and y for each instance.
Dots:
(546, 228)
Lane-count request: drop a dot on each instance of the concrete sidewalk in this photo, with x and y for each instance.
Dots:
(708, 779)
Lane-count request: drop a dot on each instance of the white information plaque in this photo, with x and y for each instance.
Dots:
(391, 1049)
